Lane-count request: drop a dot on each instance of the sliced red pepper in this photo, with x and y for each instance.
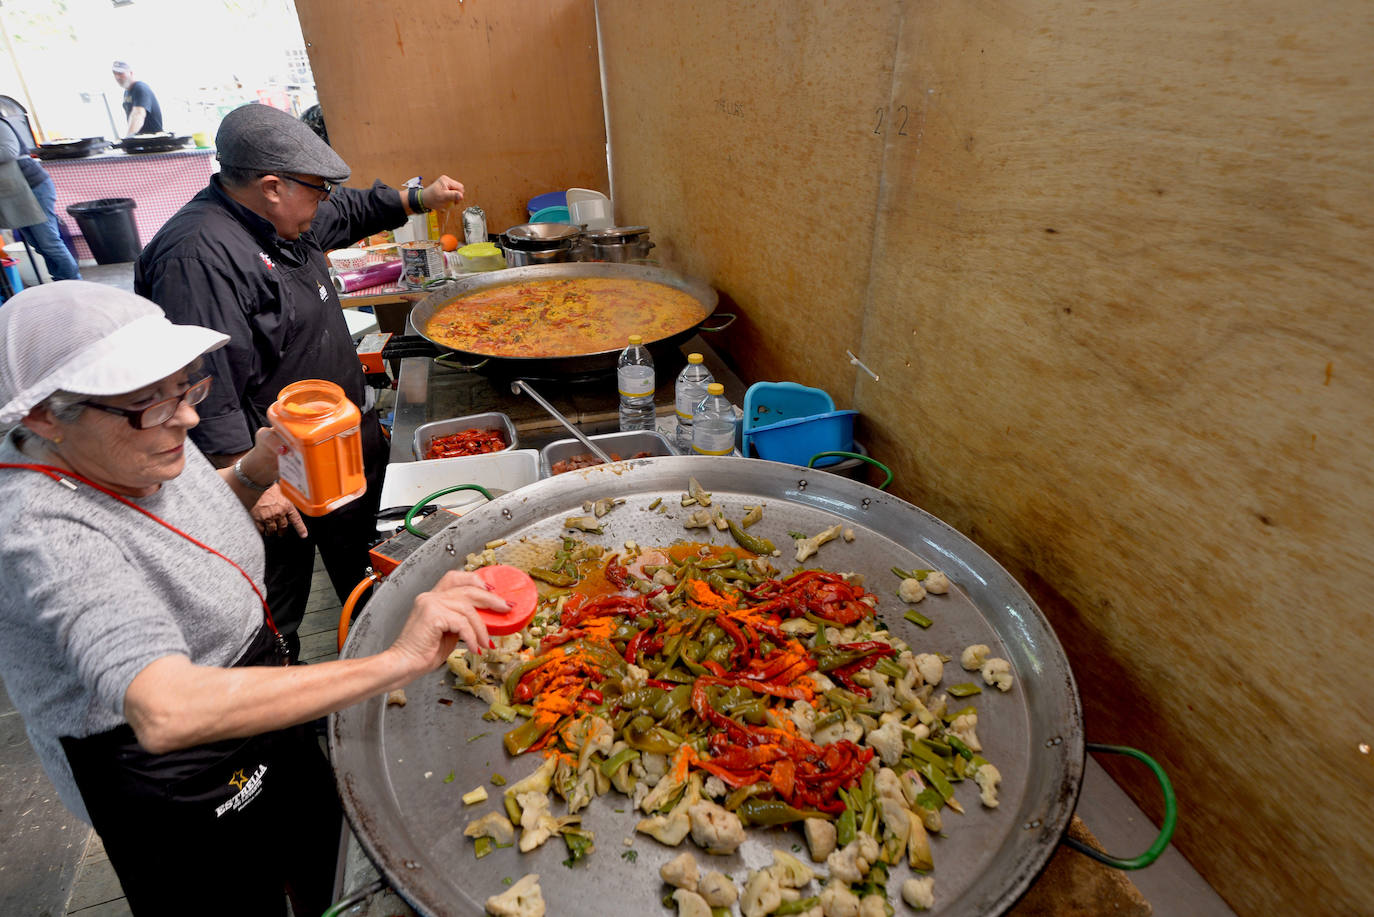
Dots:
(616, 574)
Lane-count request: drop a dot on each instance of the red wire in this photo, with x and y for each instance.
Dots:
(57, 474)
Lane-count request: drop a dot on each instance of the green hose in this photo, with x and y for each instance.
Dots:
(1166, 829)
(439, 493)
(872, 461)
(356, 898)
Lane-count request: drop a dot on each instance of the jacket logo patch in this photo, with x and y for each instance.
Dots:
(265, 260)
(248, 789)
(324, 294)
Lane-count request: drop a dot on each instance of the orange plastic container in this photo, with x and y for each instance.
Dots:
(323, 467)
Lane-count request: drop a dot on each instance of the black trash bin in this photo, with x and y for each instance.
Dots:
(109, 227)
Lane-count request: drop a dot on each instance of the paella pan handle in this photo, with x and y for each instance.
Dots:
(729, 320)
(1166, 828)
(447, 361)
(872, 461)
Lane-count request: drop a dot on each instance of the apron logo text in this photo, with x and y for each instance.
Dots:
(248, 790)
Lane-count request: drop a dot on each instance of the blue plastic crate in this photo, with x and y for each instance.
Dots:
(795, 441)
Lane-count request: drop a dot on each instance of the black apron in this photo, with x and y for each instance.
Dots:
(223, 828)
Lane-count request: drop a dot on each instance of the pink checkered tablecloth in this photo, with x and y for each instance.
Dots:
(159, 184)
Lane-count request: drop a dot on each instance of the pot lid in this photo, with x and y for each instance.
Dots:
(618, 234)
(542, 232)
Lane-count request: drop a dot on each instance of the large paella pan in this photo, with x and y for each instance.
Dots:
(602, 302)
(392, 763)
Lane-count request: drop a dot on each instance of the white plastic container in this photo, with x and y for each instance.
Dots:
(588, 208)
(347, 259)
(406, 483)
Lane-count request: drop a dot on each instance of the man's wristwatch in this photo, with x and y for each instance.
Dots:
(416, 201)
(248, 482)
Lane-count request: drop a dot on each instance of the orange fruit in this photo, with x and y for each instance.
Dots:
(449, 241)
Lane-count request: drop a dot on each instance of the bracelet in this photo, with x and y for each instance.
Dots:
(248, 482)
(416, 200)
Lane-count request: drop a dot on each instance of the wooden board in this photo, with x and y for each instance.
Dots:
(503, 95)
(1113, 267)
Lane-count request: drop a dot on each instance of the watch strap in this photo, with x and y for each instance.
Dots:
(246, 481)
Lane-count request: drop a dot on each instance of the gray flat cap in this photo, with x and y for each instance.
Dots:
(266, 139)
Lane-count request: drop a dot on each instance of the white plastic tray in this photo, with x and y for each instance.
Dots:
(407, 483)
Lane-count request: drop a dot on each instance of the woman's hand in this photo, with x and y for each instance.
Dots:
(274, 514)
(443, 193)
(442, 616)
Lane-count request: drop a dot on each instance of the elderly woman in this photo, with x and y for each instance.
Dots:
(137, 645)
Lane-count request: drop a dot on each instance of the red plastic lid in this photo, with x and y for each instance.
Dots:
(515, 586)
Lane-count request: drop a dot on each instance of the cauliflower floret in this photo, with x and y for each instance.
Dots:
(762, 895)
(821, 681)
(634, 677)
(715, 829)
(868, 846)
(804, 716)
(848, 864)
(717, 889)
(841, 729)
(535, 819)
(820, 838)
(973, 656)
(964, 726)
(714, 787)
(493, 825)
(789, 871)
(887, 741)
(936, 582)
(681, 872)
(654, 765)
(596, 735)
(930, 667)
(838, 901)
(690, 904)
(998, 672)
(523, 899)
(911, 591)
(919, 893)
(670, 829)
(808, 546)
(873, 906)
(987, 777)
(698, 519)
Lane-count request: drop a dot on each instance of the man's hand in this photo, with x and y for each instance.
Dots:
(442, 194)
(273, 514)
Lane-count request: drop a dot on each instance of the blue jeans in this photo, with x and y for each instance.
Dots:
(47, 240)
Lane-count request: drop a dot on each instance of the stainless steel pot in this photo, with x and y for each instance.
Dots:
(619, 244)
(391, 762)
(517, 257)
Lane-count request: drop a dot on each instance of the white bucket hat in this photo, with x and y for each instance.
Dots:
(90, 339)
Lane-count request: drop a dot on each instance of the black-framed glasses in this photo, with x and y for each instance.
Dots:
(155, 415)
(326, 188)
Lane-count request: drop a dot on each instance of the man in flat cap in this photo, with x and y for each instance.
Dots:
(246, 257)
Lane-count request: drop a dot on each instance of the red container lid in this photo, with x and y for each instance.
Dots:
(515, 586)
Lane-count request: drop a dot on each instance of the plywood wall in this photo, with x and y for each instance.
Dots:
(504, 95)
(1114, 267)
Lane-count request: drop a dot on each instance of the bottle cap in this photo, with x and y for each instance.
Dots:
(515, 586)
(636, 340)
(715, 388)
(694, 358)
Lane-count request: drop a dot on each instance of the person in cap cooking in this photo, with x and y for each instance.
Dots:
(246, 257)
(140, 104)
(137, 646)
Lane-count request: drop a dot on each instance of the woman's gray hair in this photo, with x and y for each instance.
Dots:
(65, 406)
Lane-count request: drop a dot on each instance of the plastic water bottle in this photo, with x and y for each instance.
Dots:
(713, 423)
(635, 378)
(688, 392)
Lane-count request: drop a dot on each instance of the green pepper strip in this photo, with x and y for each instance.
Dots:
(552, 577)
(484, 846)
(618, 760)
(940, 748)
(928, 756)
(958, 745)
(750, 543)
(918, 575)
(800, 906)
(755, 811)
(935, 778)
(672, 703)
(967, 689)
(681, 641)
(915, 617)
(845, 828)
(525, 736)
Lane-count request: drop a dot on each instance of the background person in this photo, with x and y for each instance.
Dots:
(246, 257)
(140, 105)
(144, 664)
(28, 201)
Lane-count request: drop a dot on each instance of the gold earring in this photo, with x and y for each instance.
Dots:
(56, 440)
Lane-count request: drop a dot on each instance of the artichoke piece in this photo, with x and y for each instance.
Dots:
(583, 524)
(696, 493)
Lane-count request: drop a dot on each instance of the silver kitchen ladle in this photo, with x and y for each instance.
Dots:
(520, 386)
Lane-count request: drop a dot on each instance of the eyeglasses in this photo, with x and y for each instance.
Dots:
(155, 415)
(325, 189)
